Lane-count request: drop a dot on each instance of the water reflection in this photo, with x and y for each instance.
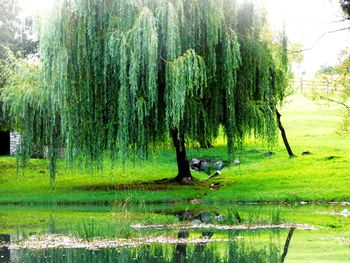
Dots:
(242, 251)
(324, 245)
(245, 250)
(181, 248)
(4, 251)
(218, 252)
(286, 246)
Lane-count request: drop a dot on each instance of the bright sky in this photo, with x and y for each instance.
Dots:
(34, 6)
(306, 21)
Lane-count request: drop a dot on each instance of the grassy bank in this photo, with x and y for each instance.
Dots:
(322, 176)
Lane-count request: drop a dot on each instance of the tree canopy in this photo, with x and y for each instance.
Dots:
(326, 69)
(15, 35)
(117, 77)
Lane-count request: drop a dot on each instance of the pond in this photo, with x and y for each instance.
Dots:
(175, 233)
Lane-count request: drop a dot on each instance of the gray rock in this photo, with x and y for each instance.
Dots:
(218, 165)
(203, 165)
(195, 162)
(205, 217)
(219, 218)
(236, 162)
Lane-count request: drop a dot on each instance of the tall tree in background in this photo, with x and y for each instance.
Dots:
(345, 4)
(17, 36)
(120, 77)
(336, 87)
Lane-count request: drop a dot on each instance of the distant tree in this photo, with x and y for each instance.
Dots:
(17, 36)
(23, 93)
(338, 79)
(345, 4)
(339, 82)
(326, 69)
(120, 77)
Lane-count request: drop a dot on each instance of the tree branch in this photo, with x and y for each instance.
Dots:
(319, 39)
(335, 101)
(338, 21)
(323, 35)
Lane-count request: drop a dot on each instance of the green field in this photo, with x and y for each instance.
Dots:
(322, 176)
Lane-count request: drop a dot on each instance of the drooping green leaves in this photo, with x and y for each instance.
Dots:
(117, 76)
(185, 80)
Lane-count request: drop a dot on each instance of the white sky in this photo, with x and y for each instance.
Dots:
(305, 20)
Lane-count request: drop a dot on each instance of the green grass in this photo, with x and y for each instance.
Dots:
(76, 185)
(305, 178)
(258, 178)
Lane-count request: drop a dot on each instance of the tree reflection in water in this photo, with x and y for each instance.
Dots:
(239, 251)
(221, 252)
(4, 251)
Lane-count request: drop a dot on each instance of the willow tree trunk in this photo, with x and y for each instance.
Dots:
(284, 136)
(184, 173)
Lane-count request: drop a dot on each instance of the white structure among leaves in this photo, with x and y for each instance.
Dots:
(15, 140)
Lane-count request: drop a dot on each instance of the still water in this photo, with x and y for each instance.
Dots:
(155, 253)
(174, 234)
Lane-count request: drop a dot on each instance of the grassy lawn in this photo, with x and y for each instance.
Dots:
(322, 176)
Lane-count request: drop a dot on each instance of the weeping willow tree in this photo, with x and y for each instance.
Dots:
(120, 77)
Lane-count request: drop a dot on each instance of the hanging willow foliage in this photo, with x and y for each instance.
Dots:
(118, 76)
(185, 79)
